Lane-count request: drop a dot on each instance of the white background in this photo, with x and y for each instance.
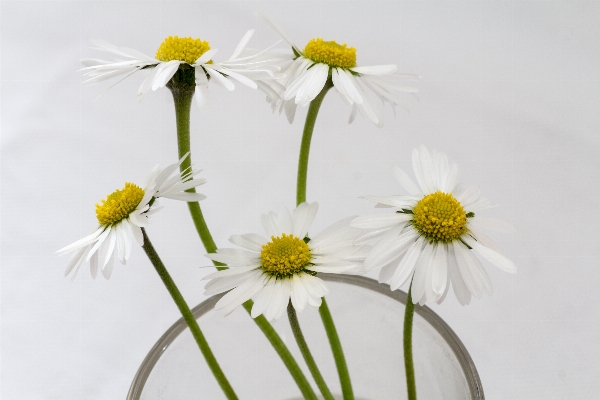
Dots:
(510, 91)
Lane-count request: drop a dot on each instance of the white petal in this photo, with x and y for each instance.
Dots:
(317, 76)
(241, 294)
(299, 295)
(303, 218)
(165, 73)
(439, 270)
(99, 241)
(346, 83)
(217, 76)
(377, 221)
(269, 223)
(421, 270)
(223, 284)
(465, 266)
(451, 179)
(250, 241)
(462, 293)
(137, 234)
(286, 288)
(82, 242)
(405, 181)
(235, 257)
(418, 170)
(375, 69)
(407, 264)
(240, 78)
(484, 239)
(492, 256)
(227, 273)
(204, 58)
(147, 83)
(108, 268)
(185, 196)
(387, 272)
(277, 298)
(389, 250)
(263, 298)
(94, 265)
(77, 259)
(107, 249)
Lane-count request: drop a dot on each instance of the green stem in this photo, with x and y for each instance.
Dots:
(188, 317)
(183, 94)
(182, 87)
(309, 126)
(338, 352)
(310, 361)
(284, 353)
(334, 340)
(409, 313)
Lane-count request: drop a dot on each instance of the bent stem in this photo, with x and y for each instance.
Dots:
(182, 88)
(310, 361)
(188, 317)
(334, 340)
(409, 313)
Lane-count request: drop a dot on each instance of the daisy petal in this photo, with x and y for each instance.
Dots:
(375, 70)
(250, 241)
(405, 181)
(492, 256)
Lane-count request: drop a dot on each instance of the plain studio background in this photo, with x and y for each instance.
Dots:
(510, 91)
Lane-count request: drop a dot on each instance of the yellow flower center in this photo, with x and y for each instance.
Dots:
(119, 204)
(331, 53)
(440, 217)
(285, 255)
(182, 49)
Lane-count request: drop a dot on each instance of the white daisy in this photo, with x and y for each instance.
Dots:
(285, 266)
(123, 215)
(191, 56)
(327, 62)
(430, 236)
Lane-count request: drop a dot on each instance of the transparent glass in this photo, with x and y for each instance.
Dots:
(369, 320)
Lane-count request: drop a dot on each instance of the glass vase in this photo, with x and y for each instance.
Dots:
(369, 319)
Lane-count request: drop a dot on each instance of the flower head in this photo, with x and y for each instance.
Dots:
(284, 267)
(327, 62)
(123, 214)
(184, 54)
(432, 236)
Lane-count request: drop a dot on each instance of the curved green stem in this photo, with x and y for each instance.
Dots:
(182, 87)
(188, 317)
(334, 339)
(309, 126)
(338, 352)
(310, 361)
(409, 313)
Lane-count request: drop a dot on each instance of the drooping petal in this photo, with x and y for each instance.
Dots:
(235, 257)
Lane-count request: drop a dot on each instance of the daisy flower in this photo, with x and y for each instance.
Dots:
(185, 54)
(284, 267)
(123, 214)
(327, 61)
(434, 234)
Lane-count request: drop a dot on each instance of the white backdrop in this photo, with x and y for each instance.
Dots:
(510, 91)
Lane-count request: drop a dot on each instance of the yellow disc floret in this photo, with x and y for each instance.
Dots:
(119, 204)
(331, 53)
(440, 217)
(285, 255)
(182, 49)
